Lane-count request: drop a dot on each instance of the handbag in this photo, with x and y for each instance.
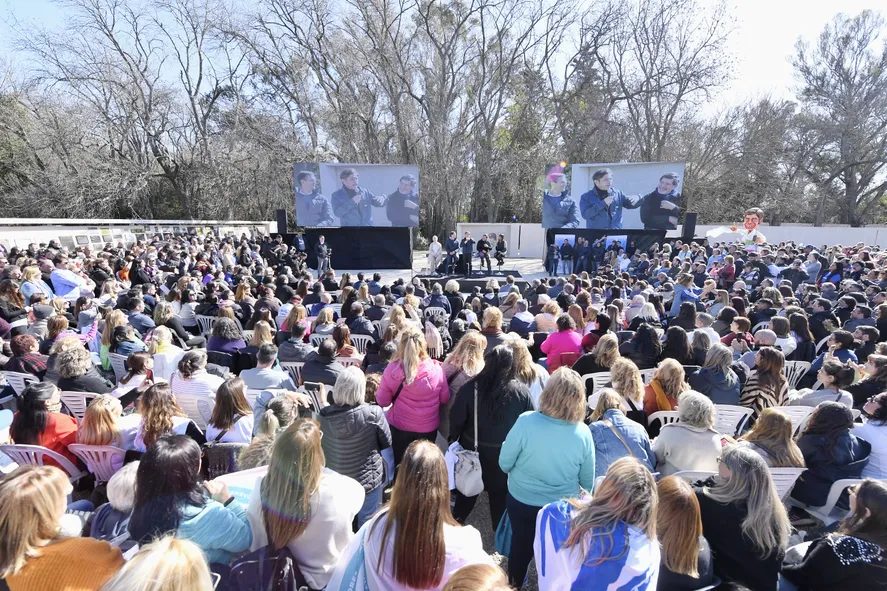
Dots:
(267, 569)
(503, 535)
(468, 474)
(638, 416)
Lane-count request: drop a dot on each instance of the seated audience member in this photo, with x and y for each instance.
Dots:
(226, 337)
(839, 346)
(232, 417)
(264, 375)
(111, 520)
(666, 386)
(166, 563)
(263, 334)
(834, 376)
(304, 506)
(785, 342)
(321, 366)
(853, 557)
(686, 557)
(831, 452)
(771, 438)
(39, 421)
(160, 415)
(295, 348)
(692, 443)
(171, 498)
(581, 543)
(165, 316)
(191, 377)
(601, 358)
(32, 502)
(867, 339)
(767, 385)
(563, 346)
(385, 355)
(677, 345)
(874, 430)
(397, 540)
(616, 436)
(26, 357)
(104, 424)
(716, 379)
(165, 354)
(873, 380)
(138, 377)
(360, 324)
(478, 577)
(744, 520)
(739, 329)
(522, 321)
(125, 341)
(492, 328)
(342, 337)
(78, 374)
(324, 322)
(644, 348)
(280, 412)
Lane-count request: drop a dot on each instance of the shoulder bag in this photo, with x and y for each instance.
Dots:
(638, 416)
(618, 436)
(468, 475)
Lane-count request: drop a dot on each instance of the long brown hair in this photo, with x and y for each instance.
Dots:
(679, 526)
(230, 403)
(769, 369)
(869, 519)
(158, 406)
(773, 433)
(294, 473)
(417, 520)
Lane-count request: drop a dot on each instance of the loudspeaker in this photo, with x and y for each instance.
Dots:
(689, 226)
(281, 221)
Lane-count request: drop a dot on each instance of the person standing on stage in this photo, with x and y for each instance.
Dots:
(501, 250)
(597, 254)
(354, 204)
(602, 206)
(660, 209)
(566, 255)
(312, 208)
(483, 248)
(435, 254)
(467, 246)
(299, 242)
(558, 207)
(323, 253)
(582, 250)
(403, 205)
(452, 249)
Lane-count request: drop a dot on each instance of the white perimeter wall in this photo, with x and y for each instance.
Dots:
(527, 241)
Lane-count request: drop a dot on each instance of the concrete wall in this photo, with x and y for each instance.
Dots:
(525, 241)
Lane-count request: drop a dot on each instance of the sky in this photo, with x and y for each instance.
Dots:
(762, 41)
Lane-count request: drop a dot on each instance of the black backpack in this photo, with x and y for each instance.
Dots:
(267, 569)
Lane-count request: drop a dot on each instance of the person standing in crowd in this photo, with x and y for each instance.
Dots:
(352, 203)
(602, 205)
(467, 247)
(558, 207)
(312, 208)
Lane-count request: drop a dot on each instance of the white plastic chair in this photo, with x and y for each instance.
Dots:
(784, 479)
(118, 364)
(247, 336)
(316, 339)
(731, 418)
(36, 455)
(101, 460)
(77, 402)
(665, 417)
(251, 396)
(647, 375)
(434, 311)
(822, 344)
(349, 361)
(797, 414)
(829, 513)
(694, 475)
(295, 370)
(198, 408)
(598, 380)
(206, 324)
(361, 342)
(19, 381)
(794, 371)
(337, 309)
(378, 325)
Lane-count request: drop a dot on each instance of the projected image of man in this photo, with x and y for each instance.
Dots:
(660, 208)
(603, 205)
(352, 203)
(312, 208)
(403, 205)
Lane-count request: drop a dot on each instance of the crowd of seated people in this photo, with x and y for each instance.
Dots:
(251, 409)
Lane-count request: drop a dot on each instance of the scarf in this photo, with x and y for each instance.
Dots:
(662, 400)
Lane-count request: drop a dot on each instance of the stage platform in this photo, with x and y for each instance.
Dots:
(477, 279)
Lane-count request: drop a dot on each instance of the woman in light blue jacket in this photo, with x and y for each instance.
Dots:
(616, 436)
(684, 291)
(32, 283)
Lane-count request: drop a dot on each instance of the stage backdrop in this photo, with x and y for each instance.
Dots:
(356, 195)
(363, 248)
(636, 191)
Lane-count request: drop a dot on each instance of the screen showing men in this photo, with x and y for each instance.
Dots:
(333, 195)
(635, 196)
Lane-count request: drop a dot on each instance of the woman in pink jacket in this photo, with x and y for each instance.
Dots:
(415, 386)
(565, 340)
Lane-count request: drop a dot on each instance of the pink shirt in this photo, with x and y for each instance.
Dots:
(417, 408)
(563, 341)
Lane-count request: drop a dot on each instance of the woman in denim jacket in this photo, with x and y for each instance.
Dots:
(616, 436)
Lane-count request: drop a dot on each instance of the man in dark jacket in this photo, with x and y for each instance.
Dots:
(660, 208)
(467, 246)
(294, 349)
(323, 255)
(378, 310)
(437, 299)
(312, 208)
(566, 255)
(360, 324)
(403, 204)
(484, 246)
(452, 249)
(822, 312)
(322, 366)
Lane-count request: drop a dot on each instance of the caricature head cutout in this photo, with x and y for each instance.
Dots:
(753, 218)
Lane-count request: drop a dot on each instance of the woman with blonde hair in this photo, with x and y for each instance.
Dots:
(611, 537)
(164, 564)
(526, 371)
(462, 364)
(32, 283)
(165, 316)
(686, 557)
(415, 386)
(615, 435)
(574, 311)
(304, 506)
(165, 354)
(536, 476)
(663, 391)
(491, 328)
(744, 520)
(104, 424)
(114, 319)
(509, 305)
(323, 323)
(478, 577)
(33, 500)
(297, 315)
(625, 377)
(414, 543)
(601, 358)
(771, 438)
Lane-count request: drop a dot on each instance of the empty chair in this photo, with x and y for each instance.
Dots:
(35, 455)
(222, 359)
(829, 513)
(731, 418)
(378, 325)
(102, 461)
(794, 371)
(598, 380)
(361, 342)
(118, 364)
(206, 324)
(76, 402)
(798, 415)
(822, 344)
(19, 381)
(784, 479)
